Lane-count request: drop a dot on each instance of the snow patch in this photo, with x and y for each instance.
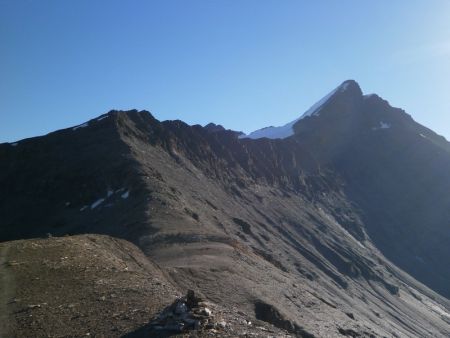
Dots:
(272, 132)
(84, 125)
(97, 203)
(315, 109)
(102, 117)
(15, 144)
(287, 130)
(344, 86)
(109, 193)
(422, 135)
(368, 96)
(383, 125)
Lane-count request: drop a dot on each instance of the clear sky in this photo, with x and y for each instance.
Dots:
(241, 63)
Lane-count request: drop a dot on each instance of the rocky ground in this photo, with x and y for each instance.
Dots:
(99, 286)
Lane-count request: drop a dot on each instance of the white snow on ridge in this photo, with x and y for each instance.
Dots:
(383, 125)
(14, 144)
(124, 194)
(84, 125)
(287, 130)
(97, 203)
(344, 86)
(273, 132)
(315, 109)
(368, 96)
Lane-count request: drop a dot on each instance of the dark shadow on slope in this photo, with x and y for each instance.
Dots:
(268, 313)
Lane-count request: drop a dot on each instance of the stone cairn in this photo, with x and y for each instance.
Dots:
(185, 314)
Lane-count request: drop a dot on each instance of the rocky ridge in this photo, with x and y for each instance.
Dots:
(312, 226)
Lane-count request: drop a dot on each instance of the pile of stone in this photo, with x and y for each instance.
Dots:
(187, 313)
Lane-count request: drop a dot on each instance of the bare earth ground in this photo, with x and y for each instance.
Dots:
(6, 293)
(92, 285)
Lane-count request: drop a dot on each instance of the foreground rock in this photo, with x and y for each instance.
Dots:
(99, 286)
(187, 313)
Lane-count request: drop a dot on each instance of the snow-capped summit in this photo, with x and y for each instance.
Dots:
(288, 130)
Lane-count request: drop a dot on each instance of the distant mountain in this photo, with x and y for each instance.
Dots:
(335, 224)
(288, 129)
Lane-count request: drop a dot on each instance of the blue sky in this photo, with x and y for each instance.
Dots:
(244, 64)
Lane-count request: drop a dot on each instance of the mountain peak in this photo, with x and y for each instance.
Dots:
(213, 128)
(351, 88)
(350, 84)
(348, 91)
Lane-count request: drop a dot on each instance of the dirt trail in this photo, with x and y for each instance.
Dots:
(6, 292)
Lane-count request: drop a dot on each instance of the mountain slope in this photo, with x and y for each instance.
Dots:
(79, 285)
(90, 285)
(396, 171)
(294, 220)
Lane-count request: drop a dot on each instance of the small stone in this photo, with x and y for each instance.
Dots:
(222, 324)
(209, 326)
(206, 312)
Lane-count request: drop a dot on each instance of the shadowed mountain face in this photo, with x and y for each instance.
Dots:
(311, 232)
(396, 171)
